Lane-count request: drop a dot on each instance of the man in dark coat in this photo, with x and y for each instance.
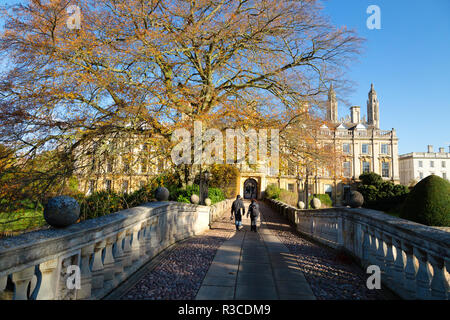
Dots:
(237, 209)
(253, 211)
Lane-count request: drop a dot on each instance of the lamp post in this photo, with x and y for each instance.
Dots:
(204, 178)
(299, 183)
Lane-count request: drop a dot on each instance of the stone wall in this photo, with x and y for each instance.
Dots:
(106, 250)
(414, 259)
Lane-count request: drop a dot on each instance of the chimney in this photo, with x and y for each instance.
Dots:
(430, 148)
(441, 150)
(355, 113)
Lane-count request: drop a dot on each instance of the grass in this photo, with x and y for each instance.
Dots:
(21, 220)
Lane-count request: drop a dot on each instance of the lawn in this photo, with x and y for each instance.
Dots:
(21, 220)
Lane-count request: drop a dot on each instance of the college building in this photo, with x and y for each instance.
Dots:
(415, 166)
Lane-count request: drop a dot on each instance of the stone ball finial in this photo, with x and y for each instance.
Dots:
(301, 205)
(162, 194)
(315, 203)
(207, 201)
(355, 199)
(195, 199)
(61, 211)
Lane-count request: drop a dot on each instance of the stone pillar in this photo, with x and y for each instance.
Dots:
(423, 275)
(119, 255)
(86, 275)
(410, 270)
(389, 259)
(127, 250)
(48, 280)
(108, 262)
(21, 280)
(97, 266)
(399, 266)
(439, 285)
(365, 247)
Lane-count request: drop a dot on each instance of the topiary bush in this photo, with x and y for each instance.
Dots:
(272, 191)
(429, 202)
(324, 199)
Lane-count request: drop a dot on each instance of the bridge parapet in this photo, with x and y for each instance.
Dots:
(107, 250)
(414, 259)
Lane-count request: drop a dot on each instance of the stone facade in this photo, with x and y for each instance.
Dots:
(366, 149)
(415, 166)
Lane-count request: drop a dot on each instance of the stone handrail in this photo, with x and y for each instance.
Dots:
(217, 209)
(106, 250)
(414, 259)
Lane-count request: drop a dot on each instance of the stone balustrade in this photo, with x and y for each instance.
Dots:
(414, 259)
(106, 250)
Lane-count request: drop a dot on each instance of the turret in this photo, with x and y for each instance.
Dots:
(373, 112)
(332, 106)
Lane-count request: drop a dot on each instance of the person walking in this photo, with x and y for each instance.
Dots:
(253, 211)
(237, 210)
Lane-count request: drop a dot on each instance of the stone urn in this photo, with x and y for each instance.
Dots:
(61, 211)
(162, 194)
(301, 205)
(207, 201)
(315, 203)
(355, 199)
(195, 199)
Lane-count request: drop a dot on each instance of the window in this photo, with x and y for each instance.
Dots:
(125, 186)
(443, 164)
(366, 167)
(347, 169)
(109, 166)
(329, 190)
(291, 187)
(91, 187)
(420, 164)
(365, 148)
(108, 185)
(346, 147)
(143, 166)
(384, 148)
(444, 175)
(421, 175)
(385, 169)
(432, 164)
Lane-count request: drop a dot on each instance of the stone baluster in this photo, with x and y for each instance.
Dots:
(439, 284)
(145, 239)
(3, 282)
(49, 275)
(366, 247)
(373, 247)
(108, 261)
(389, 258)
(119, 255)
(380, 252)
(97, 266)
(410, 270)
(398, 275)
(127, 250)
(21, 280)
(423, 277)
(136, 244)
(86, 275)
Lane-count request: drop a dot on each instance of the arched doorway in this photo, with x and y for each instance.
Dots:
(250, 189)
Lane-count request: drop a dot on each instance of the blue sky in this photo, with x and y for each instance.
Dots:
(408, 61)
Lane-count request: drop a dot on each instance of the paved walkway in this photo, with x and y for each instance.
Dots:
(254, 266)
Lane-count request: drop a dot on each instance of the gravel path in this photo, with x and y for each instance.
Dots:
(180, 274)
(332, 275)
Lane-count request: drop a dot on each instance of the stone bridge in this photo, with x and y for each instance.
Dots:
(169, 250)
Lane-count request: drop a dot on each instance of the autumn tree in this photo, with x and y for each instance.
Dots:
(145, 67)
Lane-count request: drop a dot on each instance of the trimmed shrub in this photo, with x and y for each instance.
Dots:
(371, 178)
(216, 195)
(272, 191)
(289, 197)
(324, 199)
(429, 202)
